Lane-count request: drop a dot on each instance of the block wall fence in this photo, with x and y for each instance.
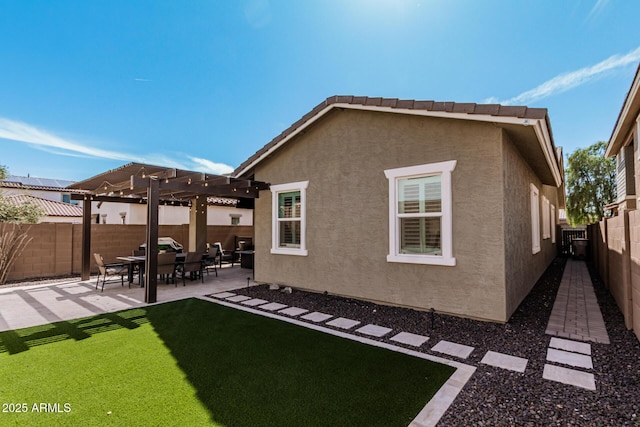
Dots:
(615, 252)
(56, 249)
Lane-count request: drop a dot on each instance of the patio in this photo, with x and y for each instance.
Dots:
(73, 298)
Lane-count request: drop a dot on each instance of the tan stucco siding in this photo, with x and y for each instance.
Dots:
(344, 157)
(523, 268)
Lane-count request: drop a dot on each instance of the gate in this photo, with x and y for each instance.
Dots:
(568, 234)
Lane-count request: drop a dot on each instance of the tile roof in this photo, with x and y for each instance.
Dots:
(51, 208)
(384, 104)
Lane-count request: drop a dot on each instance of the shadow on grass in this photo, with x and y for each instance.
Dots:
(249, 370)
(20, 340)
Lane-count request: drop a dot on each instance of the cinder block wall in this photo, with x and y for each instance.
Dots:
(56, 249)
(619, 264)
(634, 238)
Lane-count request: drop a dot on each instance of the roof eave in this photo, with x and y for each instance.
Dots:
(626, 118)
(542, 130)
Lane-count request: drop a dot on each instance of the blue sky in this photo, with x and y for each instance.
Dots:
(87, 85)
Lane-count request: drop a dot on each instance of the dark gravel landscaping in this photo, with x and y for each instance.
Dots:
(497, 397)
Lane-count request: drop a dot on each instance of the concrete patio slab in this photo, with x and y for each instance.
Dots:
(254, 302)
(316, 316)
(410, 339)
(293, 311)
(573, 346)
(453, 349)
(68, 299)
(569, 376)
(505, 361)
(273, 306)
(567, 358)
(374, 330)
(343, 323)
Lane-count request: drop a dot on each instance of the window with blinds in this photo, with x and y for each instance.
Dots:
(288, 225)
(419, 213)
(289, 219)
(535, 218)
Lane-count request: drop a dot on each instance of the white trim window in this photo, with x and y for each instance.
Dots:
(289, 218)
(420, 214)
(546, 223)
(553, 224)
(535, 219)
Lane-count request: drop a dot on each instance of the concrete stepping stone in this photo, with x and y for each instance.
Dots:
(505, 361)
(573, 346)
(569, 376)
(374, 330)
(343, 323)
(567, 358)
(273, 306)
(410, 339)
(254, 302)
(316, 316)
(453, 349)
(238, 298)
(293, 311)
(223, 295)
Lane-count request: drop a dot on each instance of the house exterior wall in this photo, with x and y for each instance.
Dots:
(56, 196)
(522, 267)
(344, 156)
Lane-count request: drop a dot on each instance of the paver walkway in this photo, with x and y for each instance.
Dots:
(576, 314)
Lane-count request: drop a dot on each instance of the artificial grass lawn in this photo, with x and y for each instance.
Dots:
(196, 363)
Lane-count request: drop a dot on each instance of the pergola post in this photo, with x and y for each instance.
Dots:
(151, 252)
(198, 225)
(86, 238)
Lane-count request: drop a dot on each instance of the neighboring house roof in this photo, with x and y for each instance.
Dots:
(508, 116)
(39, 184)
(51, 208)
(221, 201)
(626, 119)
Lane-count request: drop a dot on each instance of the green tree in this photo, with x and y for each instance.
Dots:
(14, 235)
(591, 184)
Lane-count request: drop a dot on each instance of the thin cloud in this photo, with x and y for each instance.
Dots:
(567, 81)
(204, 165)
(597, 9)
(142, 80)
(22, 132)
(42, 140)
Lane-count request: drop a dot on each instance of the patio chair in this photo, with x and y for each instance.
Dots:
(222, 255)
(192, 265)
(167, 266)
(209, 262)
(110, 270)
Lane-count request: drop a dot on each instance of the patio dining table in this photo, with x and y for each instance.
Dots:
(139, 260)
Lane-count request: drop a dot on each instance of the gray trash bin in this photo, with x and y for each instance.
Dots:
(579, 248)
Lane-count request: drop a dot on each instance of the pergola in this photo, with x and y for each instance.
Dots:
(155, 185)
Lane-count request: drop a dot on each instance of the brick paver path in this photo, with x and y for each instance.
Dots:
(576, 314)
